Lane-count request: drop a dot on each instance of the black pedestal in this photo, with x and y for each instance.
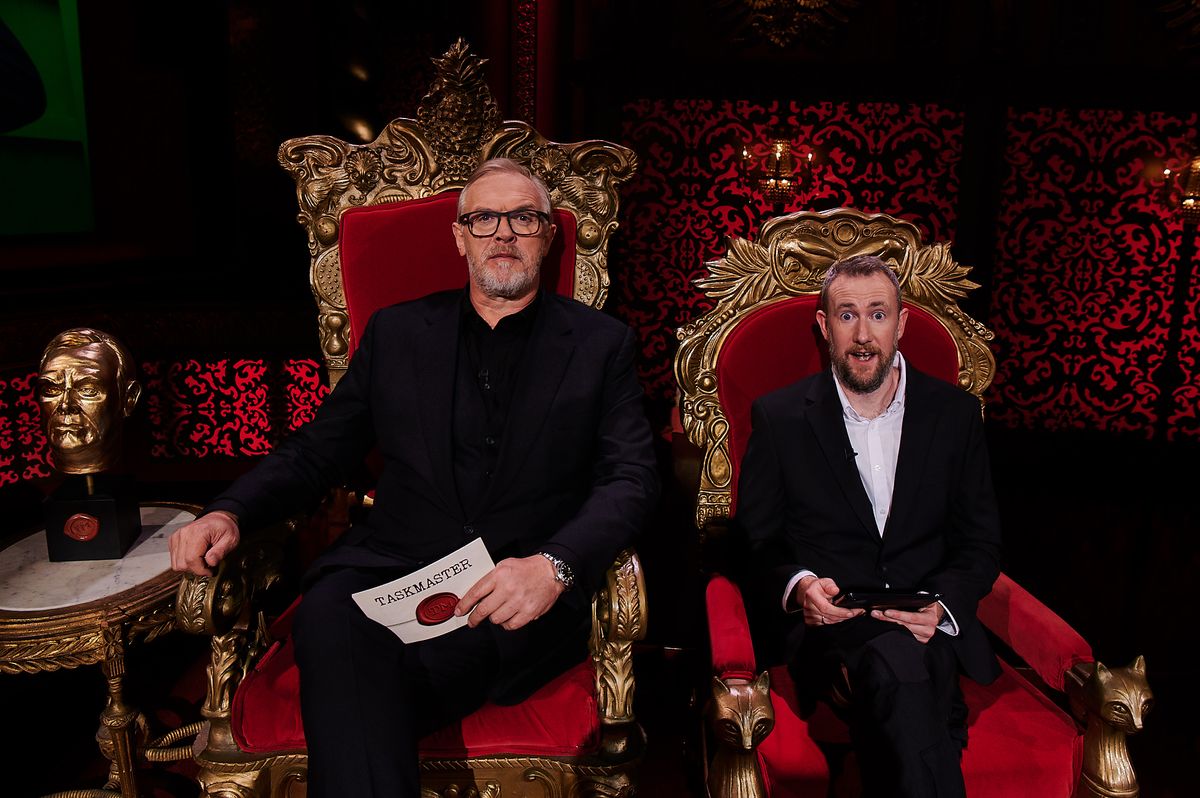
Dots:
(100, 526)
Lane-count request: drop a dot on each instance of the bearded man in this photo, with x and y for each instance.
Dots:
(501, 412)
(873, 476)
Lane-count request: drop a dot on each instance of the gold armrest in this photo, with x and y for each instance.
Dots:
(1112, 704)
(740, 717)
(618, 619)
(224, 606)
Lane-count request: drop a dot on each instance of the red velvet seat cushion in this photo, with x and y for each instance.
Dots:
(561, 719)
(1019, 742)
(779, 343)
(405, 250)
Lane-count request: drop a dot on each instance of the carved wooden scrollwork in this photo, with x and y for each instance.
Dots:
(209, 605)
(457, 126)
(490, 789)
(790, 259)
(618, 619)
(616, 787)
(43, 655)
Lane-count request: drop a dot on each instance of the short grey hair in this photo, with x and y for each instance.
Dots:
(496, 166)
(858, 266)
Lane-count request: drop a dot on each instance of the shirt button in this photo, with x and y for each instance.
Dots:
(490, 440)
(469, 530)
(876, 467)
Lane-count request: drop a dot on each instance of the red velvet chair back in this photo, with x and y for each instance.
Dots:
(405, 250)
(762, 334)
(780, 343)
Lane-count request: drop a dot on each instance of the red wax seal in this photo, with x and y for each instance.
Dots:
(82, 526)
(436, 609)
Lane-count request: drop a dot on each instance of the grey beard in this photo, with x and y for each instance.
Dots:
(517, 284)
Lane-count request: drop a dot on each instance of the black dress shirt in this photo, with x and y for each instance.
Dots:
(489, 360)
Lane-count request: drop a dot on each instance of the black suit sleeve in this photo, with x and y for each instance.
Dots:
(972, 562)
(624, 485)
(761, 509)
(321, 455)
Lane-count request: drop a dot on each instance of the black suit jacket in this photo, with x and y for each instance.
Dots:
(575, 475)
(802, 505)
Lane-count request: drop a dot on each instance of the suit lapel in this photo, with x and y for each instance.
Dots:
(437, 361)
(551, 344)
(829, 427)
(920, 419)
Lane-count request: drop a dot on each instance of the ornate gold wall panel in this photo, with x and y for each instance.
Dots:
(790, 259)
(457, 127)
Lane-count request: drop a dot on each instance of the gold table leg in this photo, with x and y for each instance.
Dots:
(117, 718)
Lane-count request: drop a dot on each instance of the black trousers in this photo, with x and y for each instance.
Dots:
(367, 698)
(906, 716)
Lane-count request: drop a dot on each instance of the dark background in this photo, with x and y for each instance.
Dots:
(1021, 132)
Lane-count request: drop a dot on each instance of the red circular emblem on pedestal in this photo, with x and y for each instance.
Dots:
(436, 609)
(82, 526)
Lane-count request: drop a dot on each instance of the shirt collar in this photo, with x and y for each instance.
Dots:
(897, 404)
(522, 319)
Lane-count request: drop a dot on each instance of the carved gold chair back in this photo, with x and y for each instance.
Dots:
(766, 293)
(457, 127)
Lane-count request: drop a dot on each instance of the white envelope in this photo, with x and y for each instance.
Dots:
(420, 605)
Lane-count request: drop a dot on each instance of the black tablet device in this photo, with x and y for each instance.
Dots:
(908, 600)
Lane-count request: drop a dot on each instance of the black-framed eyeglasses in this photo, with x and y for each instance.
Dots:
(523, 222)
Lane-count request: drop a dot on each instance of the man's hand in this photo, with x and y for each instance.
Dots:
(198, 547)
(512, 594)
(814, 596)
(922, 623)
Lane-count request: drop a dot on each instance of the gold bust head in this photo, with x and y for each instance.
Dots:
(86, 388)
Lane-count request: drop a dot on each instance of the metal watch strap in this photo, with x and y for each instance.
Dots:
(562, 572)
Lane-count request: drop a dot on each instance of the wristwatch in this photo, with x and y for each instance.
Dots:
(562, 572)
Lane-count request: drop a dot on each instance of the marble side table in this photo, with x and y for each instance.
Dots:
(69, 614)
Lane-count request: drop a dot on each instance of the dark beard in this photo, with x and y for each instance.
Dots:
(873, 382)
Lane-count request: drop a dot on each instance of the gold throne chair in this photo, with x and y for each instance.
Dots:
(577, 736)
(1048, 726)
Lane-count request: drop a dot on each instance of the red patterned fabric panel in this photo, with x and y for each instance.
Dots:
(24, 450)
(753, 362)
(560, 719)
(405, 250)
(688, 196)
(1087, 251)
(1184, 423)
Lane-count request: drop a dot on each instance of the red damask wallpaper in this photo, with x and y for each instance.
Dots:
(23, 446)
(1083, 282)
(1184, 422)
(190, 409)
(688, 196)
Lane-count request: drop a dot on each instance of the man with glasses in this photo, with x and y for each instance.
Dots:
(502, 411)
